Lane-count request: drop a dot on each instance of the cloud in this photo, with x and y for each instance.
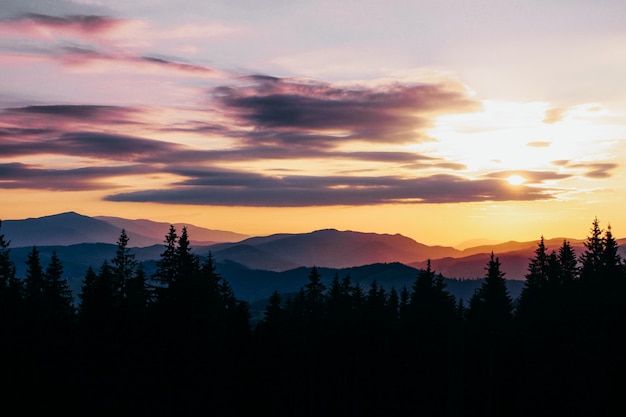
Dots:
(592, 170)
(48, 27)
(59, 118)
(531, 177)
(91, 112)
(92, 144)
(554, 115)
(24, 176)
(539, 144)
(598, 170)
(291, 112)
(226, 188)
(94, 42)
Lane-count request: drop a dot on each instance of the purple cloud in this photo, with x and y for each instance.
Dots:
(17, 175)
(291, 112)
(225, 188)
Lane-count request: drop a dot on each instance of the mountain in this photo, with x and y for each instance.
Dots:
(65, 229)
(158, 230)
(514, 257)
(72, 228)
(329, 248)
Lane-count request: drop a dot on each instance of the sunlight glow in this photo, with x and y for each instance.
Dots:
(516, 179)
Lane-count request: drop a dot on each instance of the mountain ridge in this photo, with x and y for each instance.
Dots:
(329, 247)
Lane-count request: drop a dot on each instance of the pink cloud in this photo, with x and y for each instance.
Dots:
(46, 27)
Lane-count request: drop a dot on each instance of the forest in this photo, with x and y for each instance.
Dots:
(180, 342)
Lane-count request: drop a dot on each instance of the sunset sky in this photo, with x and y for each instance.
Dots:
(442, 120)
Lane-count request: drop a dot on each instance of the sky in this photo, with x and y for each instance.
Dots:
(442, 120)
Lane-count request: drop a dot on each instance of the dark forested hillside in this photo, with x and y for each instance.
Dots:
(385, 339)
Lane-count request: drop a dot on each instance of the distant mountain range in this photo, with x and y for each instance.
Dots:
(254, 265)
(73, 228)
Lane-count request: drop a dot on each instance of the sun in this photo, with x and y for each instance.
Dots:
(516, 179)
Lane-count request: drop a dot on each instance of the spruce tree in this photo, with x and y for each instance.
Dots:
(57, 292)
(167, 264)
(533, 299)
(592, 258)
(123, 266)
(314, 294)
(34, 286)
(10, 287)
(491, 305)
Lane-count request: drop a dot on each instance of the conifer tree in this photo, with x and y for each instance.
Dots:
(34, 283)
(612, 265)
(568, 263)
(99, 299)
(57, 292)
(314, 294)
(10, 286)
(123, 266)
(167, 263)
(533, 299)
(138, 295)
(273, 318)
(187, 263)
(593, 256)
(491, 305)
(7, 268)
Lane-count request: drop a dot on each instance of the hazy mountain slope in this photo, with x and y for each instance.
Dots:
(336, 249)
(72, 228)
(158, 230)
(514, 263)
(65, 229)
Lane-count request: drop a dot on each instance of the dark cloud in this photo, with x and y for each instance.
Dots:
(532, 177)
(18, 132)
(599, 170)
(171, 63)
(593, 170)
(24, 176)
(84, 23)
(226, 188)
(291, 112)
(82, 112)
(93, 144)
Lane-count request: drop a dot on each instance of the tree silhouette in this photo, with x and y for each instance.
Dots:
(534, 296)
(10, 290)
(166, 265)
(123, 266)
(491, 305)
(489, 323)
(57, 293)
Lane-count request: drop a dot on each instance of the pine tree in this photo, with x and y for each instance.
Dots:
(534, 296)
(10, 286)
(123, 266)
(491, 305)
(99, 298)
(167, 263)
(187, 263)
(57, 292)
(568, 263)
(273, 318)
(592, 258)
(138, 295)
(34, 283)
(7, 268)
(314, 294)
(612, 265)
